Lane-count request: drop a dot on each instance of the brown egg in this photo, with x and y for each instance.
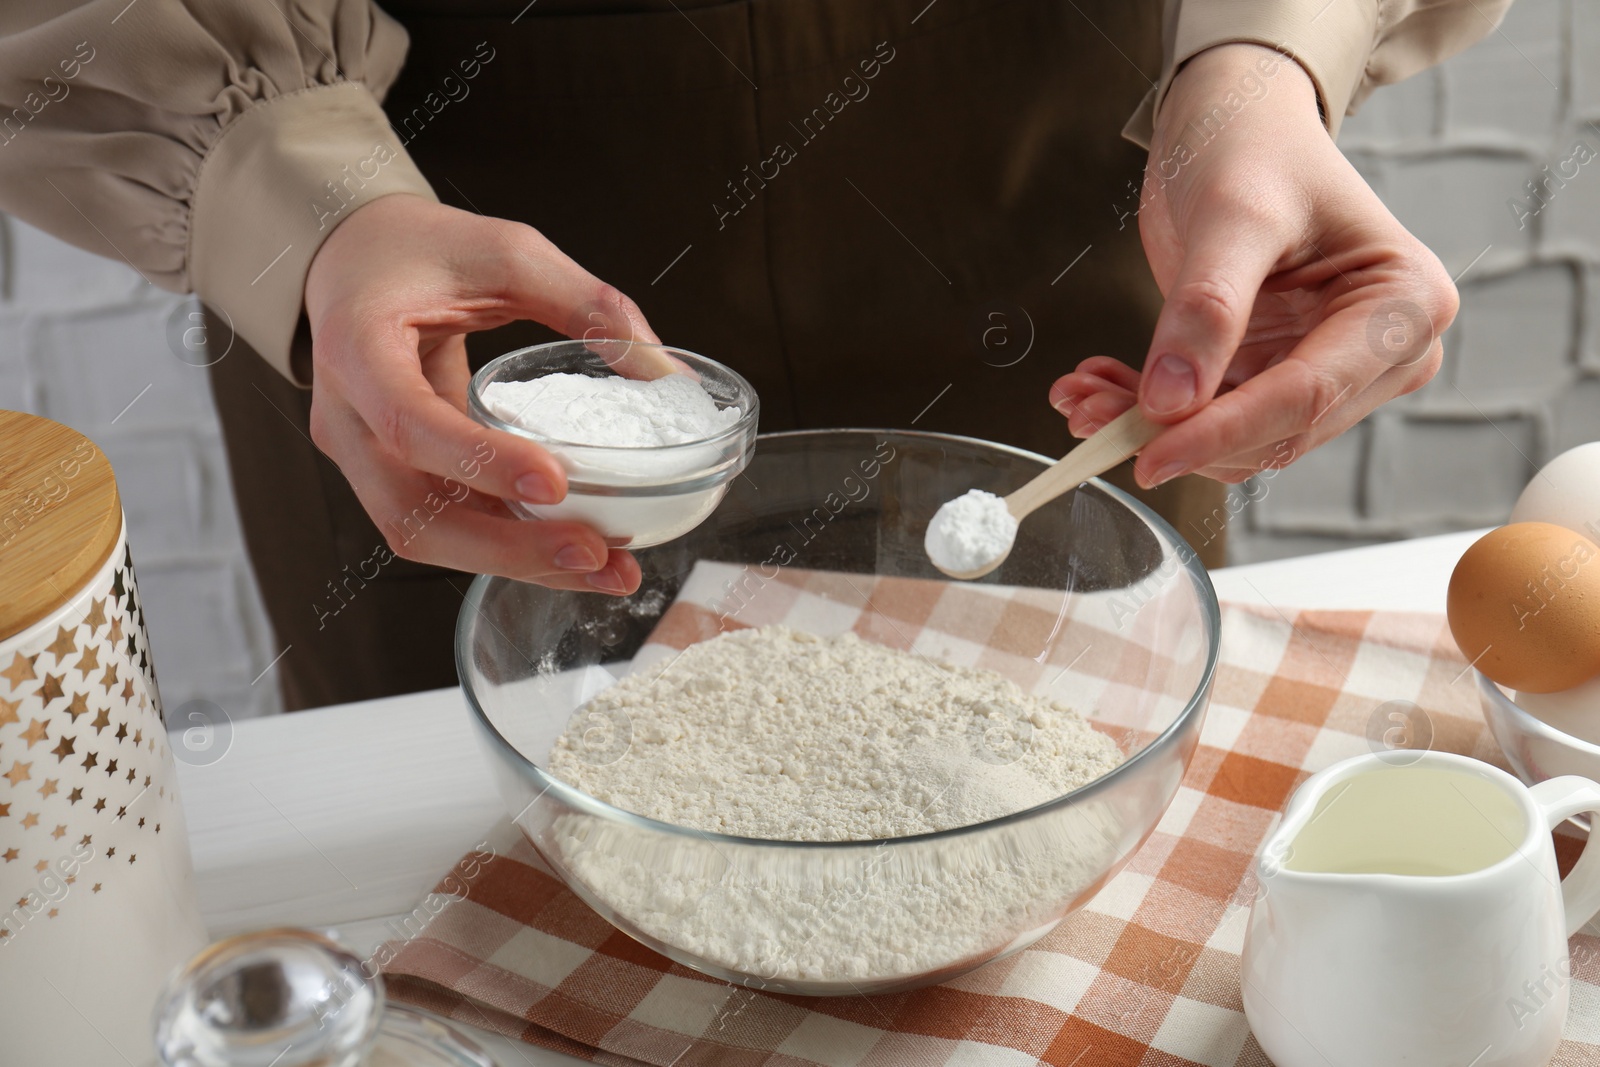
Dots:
(1524, 605)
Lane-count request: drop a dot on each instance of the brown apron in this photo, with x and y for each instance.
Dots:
(882, 214)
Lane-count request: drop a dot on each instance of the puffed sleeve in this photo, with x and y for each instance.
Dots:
(1349, 47)
(211, 144)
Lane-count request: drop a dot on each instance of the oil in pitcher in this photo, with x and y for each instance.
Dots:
(1416, 821)
(1405, 912)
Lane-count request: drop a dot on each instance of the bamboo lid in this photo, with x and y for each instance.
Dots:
(60, 516)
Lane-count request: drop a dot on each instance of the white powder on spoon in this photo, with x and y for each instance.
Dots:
(970, 532)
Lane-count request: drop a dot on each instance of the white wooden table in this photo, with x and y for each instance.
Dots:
(346, 817)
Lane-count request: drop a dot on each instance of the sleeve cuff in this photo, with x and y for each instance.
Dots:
(269, 193)
(1331, 40)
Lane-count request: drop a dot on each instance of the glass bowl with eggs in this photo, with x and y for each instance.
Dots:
(1524, 607)
(649, 436)
(800, 759)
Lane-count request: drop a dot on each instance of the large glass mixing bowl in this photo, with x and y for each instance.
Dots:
(1133, 647)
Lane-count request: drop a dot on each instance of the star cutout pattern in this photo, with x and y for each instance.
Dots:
(51, 689)
(21, 669)
(79, 705)
(64, 645)
(47, 693)
(96, 616)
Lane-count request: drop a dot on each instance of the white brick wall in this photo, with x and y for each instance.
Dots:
(82, 337)
(1446, 150)
(83, 341)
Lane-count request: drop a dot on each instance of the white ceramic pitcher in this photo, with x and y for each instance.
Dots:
(1414, 914)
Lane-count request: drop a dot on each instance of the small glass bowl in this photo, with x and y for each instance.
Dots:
(1535, 750)
(634, 497)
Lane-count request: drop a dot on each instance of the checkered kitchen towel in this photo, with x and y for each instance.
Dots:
(1146, 973)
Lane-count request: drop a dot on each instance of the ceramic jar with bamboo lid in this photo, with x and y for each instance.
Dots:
(97, 902)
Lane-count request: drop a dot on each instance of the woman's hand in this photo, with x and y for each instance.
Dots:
(1295, 303)
(391, 295)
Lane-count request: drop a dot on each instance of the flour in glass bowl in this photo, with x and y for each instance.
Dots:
(777, 734)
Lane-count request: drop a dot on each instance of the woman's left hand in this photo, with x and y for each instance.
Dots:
(1295, 302)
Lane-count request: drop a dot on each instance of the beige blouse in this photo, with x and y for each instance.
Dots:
(214, 144)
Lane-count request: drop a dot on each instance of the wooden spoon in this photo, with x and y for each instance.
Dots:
(1114, 442)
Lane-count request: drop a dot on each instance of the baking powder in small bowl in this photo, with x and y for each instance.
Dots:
(646, 460)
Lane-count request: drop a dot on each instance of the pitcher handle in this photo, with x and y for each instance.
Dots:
(1560, 798)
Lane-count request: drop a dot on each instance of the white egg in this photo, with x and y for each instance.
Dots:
(1566, 492)
(1575, 711)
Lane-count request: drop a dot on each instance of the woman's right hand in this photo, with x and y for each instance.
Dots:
(391, 296)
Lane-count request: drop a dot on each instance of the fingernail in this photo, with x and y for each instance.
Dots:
(1170, 386)
(1165, 474)
(537, 489)
(607, 582)
(576, 558)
